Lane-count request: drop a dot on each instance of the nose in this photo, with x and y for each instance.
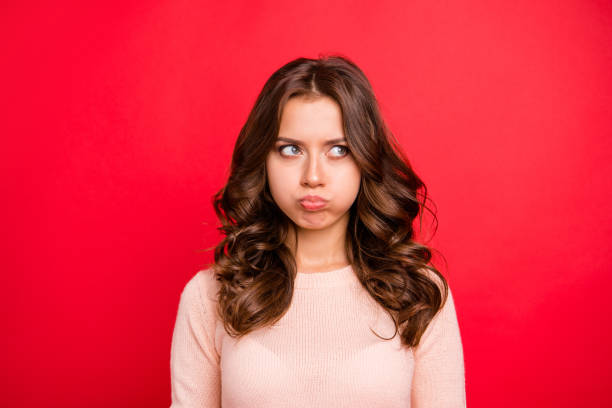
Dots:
(313, 173)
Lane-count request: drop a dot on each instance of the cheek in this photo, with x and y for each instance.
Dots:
(350, 182)
(278, 180)
(356, 184)
(354, 175)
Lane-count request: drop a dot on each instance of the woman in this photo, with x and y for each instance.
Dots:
(319, 296)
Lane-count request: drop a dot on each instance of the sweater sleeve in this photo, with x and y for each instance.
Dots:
(439, 376)
(194, 361)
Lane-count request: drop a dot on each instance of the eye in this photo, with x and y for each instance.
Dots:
(288, 150)
(341, 150)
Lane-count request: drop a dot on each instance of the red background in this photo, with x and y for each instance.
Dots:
(118, 122)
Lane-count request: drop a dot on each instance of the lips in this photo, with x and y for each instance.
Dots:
(312, 202)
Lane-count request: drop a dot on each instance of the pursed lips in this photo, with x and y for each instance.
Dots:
(312, 202)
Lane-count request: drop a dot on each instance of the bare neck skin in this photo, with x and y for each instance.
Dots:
(319, 250)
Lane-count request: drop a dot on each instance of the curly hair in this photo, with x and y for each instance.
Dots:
(254, 267)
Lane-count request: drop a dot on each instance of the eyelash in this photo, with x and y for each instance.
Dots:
(280, 149)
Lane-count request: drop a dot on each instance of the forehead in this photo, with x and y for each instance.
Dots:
(311, 119)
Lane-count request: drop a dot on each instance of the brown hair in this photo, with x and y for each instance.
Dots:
(254, 267)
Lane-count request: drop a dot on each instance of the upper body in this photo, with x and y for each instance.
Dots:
(316, 182)
(320, 354)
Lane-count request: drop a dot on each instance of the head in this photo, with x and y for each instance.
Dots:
(285, 149)
(316, 130)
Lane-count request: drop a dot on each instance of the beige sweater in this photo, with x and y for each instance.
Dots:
(320, 354)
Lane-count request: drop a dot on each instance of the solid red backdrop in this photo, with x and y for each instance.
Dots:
(118, 122)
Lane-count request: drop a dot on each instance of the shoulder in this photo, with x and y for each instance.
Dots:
(443, 286)
(201, 289)
(439, 280)
(444, 323)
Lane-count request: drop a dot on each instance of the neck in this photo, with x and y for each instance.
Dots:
(319, 250)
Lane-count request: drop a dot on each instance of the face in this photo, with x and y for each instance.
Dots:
(311, 158)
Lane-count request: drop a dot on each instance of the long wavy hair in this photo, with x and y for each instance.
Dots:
(254, 267)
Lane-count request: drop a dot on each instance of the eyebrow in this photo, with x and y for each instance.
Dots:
(328, 142)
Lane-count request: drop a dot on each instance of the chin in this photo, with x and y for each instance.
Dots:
(312, 227)
(323, 223)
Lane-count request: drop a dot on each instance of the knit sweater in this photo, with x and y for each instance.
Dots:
(322, 352)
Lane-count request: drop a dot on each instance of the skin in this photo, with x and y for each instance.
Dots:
(309, 164)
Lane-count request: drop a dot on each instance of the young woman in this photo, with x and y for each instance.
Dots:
(319, 295)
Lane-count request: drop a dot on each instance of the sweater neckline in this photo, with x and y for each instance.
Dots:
(344, 276)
